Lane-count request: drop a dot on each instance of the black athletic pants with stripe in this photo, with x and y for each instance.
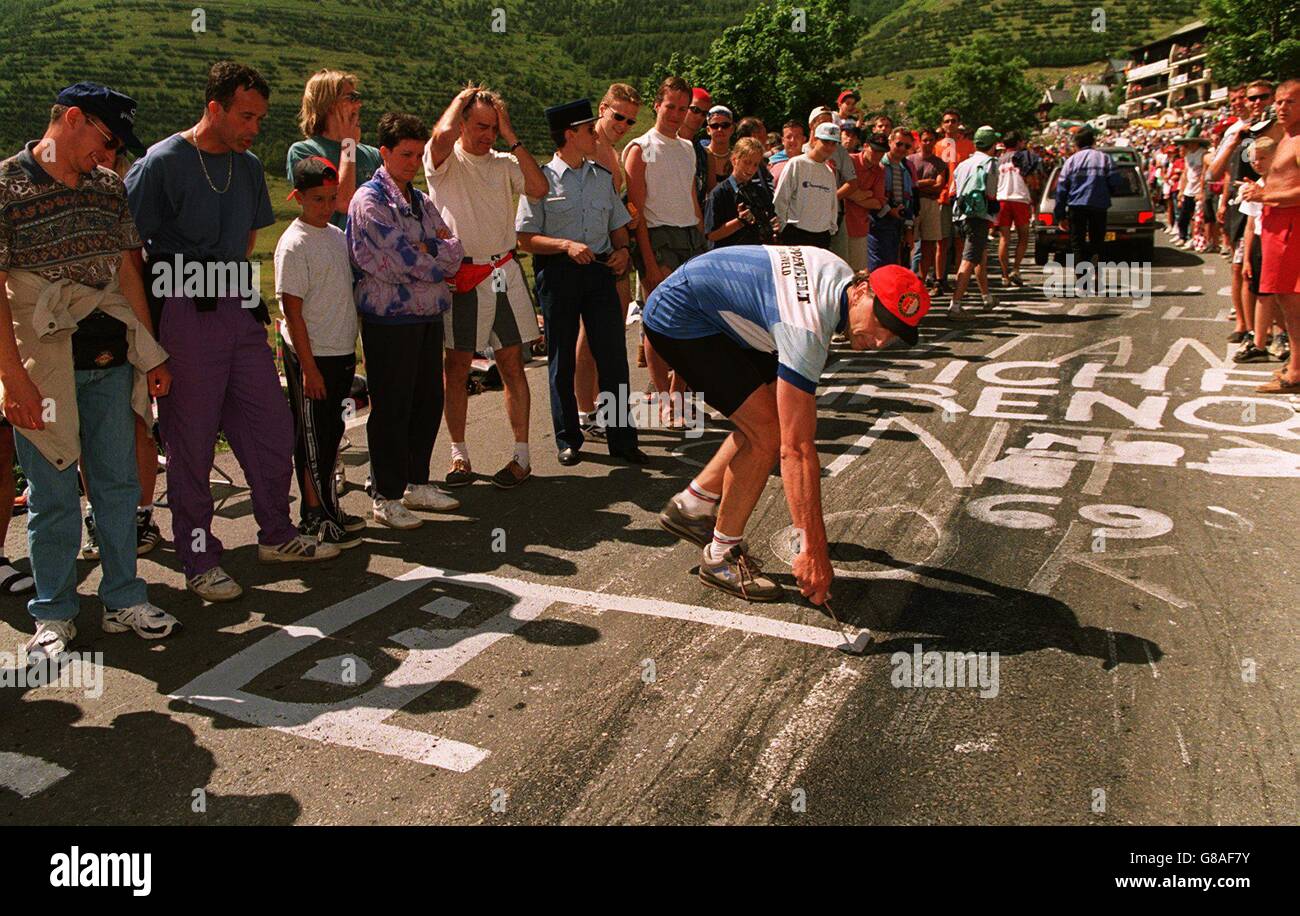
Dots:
(404, 377)
(318, 426)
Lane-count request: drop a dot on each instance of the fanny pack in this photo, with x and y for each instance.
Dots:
(471, 275)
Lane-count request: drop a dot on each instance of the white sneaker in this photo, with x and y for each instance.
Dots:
(51, 640)
(990, 301)
(392, 513)
(300, 548)
(148, 621)
(428, 497)
(214, 585)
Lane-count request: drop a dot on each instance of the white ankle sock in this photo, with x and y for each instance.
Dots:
(459, 450)
(698, 501)
(720, 544)
(521, 454)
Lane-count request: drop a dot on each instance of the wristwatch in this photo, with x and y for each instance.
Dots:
(514, 146)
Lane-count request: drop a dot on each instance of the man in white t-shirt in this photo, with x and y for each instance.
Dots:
(661, 168)
(1015, 204)
(313, 281)
(974, 218)
(1194, 149)
(474, 188)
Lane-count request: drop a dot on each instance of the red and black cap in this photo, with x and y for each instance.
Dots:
(313, 172)
(901, 300)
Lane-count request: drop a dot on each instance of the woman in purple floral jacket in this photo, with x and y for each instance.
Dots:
(402, 253)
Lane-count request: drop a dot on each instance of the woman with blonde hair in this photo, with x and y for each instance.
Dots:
(330, 120)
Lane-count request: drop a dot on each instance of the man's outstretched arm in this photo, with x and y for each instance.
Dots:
(801, 473)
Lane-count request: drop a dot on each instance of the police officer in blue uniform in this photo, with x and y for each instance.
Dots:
(577, 235)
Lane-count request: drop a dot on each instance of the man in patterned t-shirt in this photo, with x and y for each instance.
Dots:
(73, 320)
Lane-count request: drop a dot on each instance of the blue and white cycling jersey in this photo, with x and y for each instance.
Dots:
(777, 299)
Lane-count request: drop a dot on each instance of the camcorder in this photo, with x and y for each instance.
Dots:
(761, 208)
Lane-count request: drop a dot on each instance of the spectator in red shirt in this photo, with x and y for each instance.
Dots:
(953, 149)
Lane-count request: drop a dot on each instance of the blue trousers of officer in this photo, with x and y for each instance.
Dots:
(570, 292)
(883, 240)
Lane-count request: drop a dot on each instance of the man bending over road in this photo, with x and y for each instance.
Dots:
(749, 327)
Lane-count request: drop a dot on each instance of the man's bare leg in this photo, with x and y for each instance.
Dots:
(1289, 305)
(510, 363)
(757, 448)
(455, 374)
(1022, 246)
(1004, 247)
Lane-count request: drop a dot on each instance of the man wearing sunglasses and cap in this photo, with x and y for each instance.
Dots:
(749, 327)
(577, 235)
(77, 356)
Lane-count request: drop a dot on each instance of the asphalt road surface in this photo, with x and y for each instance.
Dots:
(1078, 504)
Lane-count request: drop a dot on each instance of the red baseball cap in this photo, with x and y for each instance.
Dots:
(702, 98)
(847, 94)
(901, 300)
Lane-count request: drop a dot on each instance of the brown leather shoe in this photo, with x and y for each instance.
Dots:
(460, 474)
(511, 476)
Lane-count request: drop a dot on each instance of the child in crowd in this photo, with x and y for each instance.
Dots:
(313, 280)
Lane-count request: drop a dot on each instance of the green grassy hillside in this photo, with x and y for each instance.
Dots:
(414, 54)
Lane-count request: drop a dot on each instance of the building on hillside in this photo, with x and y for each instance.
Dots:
(1091, 93)
(1114, 72)
(1051, 98)
(1171, 72)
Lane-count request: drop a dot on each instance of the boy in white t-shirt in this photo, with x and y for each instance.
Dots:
(313, 280)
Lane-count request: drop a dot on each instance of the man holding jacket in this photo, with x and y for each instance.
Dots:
(77, 354)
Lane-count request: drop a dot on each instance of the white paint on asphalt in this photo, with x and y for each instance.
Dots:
(434, 655)
(28, 775)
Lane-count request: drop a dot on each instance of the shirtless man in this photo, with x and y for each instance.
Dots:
(1280, 230)
(618, 111)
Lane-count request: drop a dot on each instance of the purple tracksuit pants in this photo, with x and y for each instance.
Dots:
(223, 380)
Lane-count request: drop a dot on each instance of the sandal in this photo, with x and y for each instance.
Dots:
(1280, 385)
(14, 581)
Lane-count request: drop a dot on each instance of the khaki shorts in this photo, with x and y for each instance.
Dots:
(489, 315)
(929, 225)
(946, 227)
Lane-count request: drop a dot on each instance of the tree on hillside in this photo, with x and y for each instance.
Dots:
(1253, 39)
(983, 84)
(767, 66)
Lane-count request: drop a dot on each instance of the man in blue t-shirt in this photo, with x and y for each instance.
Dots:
(198, 199)
(749, 327)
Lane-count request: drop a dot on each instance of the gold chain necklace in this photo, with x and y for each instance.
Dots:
(230, 164)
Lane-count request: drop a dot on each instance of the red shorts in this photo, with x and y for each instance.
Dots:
(1012, 211)
(1280, 245)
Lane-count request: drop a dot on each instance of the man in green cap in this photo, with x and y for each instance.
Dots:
(974, 208)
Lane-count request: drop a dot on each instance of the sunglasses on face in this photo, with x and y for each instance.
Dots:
(721, 125)
(353, 96)
(111, 143)
(1258, 98)
(621, 118)
(695, 109)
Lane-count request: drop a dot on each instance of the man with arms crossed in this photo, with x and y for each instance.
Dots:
(474, 187)
(749, 327)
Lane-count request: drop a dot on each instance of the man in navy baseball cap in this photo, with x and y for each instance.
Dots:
(115, 110)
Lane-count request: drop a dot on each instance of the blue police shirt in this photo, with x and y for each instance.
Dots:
(580, 206)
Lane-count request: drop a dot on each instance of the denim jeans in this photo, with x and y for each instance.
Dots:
(54, 506)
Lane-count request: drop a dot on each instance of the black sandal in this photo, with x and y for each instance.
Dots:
(14, 581)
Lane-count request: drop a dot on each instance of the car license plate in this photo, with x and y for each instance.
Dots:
(1110, 236)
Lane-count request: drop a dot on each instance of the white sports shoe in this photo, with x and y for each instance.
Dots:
(428, 497)
(298, 549)
(148, 621)
(51, 640)
(214, 585)
(392, 513)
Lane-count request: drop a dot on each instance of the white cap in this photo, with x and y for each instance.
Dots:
(818, 112)
(827, 131)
